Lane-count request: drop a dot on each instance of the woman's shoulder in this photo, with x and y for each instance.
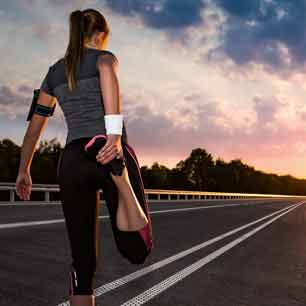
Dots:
(103, 55)
(56, 64)
(104, 51)
(107, 56)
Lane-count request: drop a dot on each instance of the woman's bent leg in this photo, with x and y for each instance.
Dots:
(132, 244)
(130, 214)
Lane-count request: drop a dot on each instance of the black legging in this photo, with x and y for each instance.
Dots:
(79, 179)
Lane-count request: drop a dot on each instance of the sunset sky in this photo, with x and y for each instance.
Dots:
(227, 76)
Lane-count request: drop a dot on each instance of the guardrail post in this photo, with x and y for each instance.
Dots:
(158, 196)
(12, 195)
(169, 196)
(47, 196)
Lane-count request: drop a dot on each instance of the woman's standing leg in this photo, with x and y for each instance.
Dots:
(80, 208)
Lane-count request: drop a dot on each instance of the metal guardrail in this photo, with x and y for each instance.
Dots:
(180, 194)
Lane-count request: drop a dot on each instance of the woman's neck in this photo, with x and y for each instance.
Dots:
(91, 47)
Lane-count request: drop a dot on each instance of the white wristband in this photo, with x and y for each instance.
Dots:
(113, 123)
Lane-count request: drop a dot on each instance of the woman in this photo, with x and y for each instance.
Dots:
(84, 83)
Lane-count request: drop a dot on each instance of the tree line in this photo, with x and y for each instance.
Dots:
(199, 172)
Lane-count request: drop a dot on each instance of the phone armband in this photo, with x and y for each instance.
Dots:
(39, 109)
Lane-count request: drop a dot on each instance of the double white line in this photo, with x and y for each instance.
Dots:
(170, 281)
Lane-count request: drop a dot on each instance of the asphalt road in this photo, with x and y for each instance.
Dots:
(206, 253)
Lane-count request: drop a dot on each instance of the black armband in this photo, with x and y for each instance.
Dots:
(39, 109)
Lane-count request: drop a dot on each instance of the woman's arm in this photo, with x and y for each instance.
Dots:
(35, 127)
(107, 65)
(34, 130)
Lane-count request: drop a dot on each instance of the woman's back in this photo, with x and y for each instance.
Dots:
(83, 107)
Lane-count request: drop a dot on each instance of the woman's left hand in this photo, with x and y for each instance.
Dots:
(24, 185)
(111, 148)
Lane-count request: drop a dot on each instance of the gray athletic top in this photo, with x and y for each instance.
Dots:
(83, 107)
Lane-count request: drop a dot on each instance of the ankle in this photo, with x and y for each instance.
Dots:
(82, 300)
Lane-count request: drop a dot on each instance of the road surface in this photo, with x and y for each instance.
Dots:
(249, 252)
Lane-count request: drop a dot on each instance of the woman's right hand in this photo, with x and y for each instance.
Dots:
(111, 148)
(24, 185)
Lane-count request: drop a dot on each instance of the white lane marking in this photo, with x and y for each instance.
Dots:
(204, 207)
(29, 223)
(127, 278)
(176, 277)
(30, 203)
(52, 221)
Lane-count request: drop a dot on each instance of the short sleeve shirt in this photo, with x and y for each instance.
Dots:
(83, 107)
(46, 85)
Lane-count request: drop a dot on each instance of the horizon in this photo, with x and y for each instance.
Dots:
(214, 158)
(225, 77)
